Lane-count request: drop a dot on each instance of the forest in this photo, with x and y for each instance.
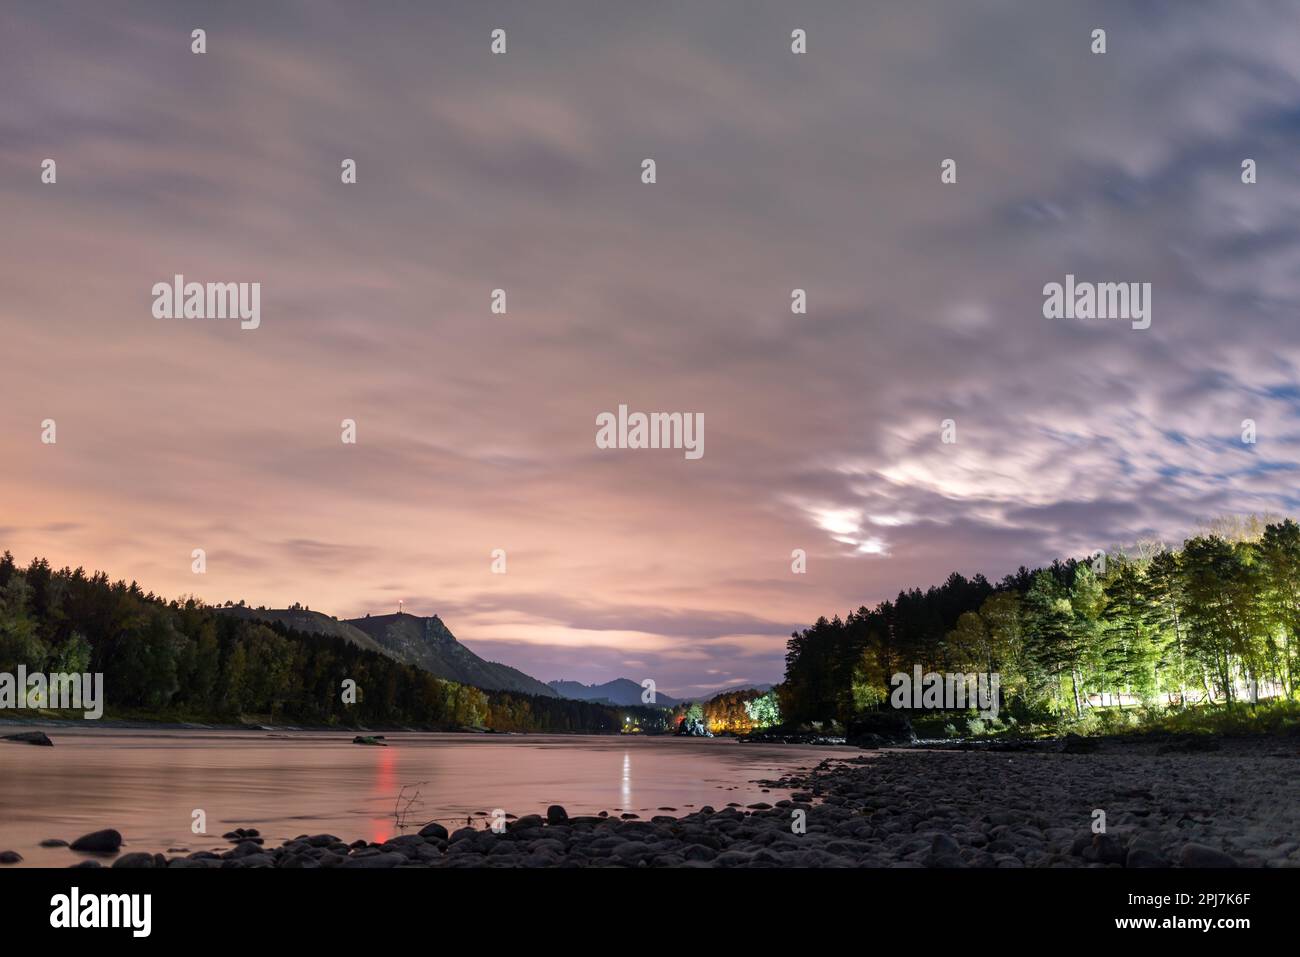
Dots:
(182, 660)
(1119, 637)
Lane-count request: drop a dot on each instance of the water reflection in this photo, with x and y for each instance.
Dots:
(627, 780)
(385, 787)
(147, 783)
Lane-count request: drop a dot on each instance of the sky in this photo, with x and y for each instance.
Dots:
(522, 171)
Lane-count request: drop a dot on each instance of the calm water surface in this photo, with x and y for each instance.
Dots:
(147, 783)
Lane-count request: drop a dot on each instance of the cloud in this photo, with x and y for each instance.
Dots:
(521, 172)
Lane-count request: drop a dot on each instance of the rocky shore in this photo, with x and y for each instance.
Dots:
(1235, 807)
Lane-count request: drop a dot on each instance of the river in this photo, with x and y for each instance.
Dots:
(148, 783)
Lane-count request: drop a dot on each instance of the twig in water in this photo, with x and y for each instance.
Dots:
(402, 811)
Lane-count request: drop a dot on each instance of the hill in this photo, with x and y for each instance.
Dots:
(429, 644)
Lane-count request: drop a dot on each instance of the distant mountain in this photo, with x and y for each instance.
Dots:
(427, 643)
(706, 695)
(621, 691)
(624, 692)
(424, 642)
(309, 622)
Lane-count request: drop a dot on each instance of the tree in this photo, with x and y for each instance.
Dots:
(1003, 619)
(1280, 553)
(1166, 600)
(764, 711)
(1223, 614)
(1051, 639)
(1129, 652)
(19, 644)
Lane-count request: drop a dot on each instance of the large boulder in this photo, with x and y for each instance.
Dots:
(874, 729)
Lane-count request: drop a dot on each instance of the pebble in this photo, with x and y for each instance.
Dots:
(1198, 855)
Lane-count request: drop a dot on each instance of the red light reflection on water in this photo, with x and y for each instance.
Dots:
(385, 789)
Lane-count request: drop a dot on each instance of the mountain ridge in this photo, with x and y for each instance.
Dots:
(763, 686)
(424, 642)
(626, 692)
(428, 643)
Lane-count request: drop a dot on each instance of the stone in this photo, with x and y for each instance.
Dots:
(404, 840)
(632, 851)
(39, 738)
(1145, 853)
(1104, 849)
(944, 851)
(1198, 855)
(732, 859)
(698, 852)
(375, 861)
(435, 830)
(944, 844)
(107, 841)
(243, 849)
